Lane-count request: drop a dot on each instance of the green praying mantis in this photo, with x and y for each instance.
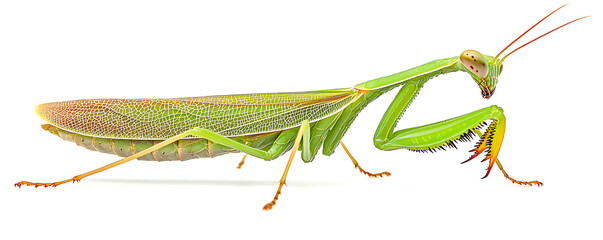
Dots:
(268, 125)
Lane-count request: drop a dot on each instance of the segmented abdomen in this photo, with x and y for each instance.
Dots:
(181, 150)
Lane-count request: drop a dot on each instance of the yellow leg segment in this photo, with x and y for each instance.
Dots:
(302, 129)
(242, 162)
(358, 166)
(114, 164)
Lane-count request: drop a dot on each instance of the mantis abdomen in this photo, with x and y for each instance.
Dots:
(183, 149)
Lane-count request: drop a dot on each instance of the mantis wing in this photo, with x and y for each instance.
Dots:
(228, 115)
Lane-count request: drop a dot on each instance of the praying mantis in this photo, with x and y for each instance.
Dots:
(269, 125)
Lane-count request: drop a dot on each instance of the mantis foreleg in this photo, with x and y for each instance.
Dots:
(444, 133)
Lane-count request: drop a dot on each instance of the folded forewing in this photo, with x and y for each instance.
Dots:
(229, 115)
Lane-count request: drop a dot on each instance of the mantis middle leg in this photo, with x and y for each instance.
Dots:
(443, 133)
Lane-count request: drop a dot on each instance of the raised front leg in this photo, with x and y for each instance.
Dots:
(445, 133)
(441, 134)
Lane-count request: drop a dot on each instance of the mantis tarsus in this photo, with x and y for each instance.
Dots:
(266, 126)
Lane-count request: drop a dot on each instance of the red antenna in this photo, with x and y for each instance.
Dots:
(503, 59)
(520, 36)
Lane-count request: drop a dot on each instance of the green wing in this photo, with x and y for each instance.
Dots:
(229, 115)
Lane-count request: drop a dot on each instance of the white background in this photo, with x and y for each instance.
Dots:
(65, 50)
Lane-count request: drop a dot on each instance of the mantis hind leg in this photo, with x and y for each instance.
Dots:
(280, 145)
(114, 164)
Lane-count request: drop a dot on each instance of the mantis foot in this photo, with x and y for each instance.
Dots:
(537, 183)
(271, 204)
(54, 184)
(242, 162)
(36, 185)
(372, 175)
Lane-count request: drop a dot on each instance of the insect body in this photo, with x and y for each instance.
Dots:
(266, 126)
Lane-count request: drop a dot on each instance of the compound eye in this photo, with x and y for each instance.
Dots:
(475, 62)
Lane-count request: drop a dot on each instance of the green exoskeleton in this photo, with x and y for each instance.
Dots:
(267, 126)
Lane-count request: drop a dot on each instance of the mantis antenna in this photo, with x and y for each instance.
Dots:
(520, 36)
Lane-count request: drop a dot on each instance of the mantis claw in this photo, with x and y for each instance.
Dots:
(490, 143)
(472, 156)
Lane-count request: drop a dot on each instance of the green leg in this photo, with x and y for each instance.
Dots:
(445, 133)
(280, 145)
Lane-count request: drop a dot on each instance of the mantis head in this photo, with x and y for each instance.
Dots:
(485, 69)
